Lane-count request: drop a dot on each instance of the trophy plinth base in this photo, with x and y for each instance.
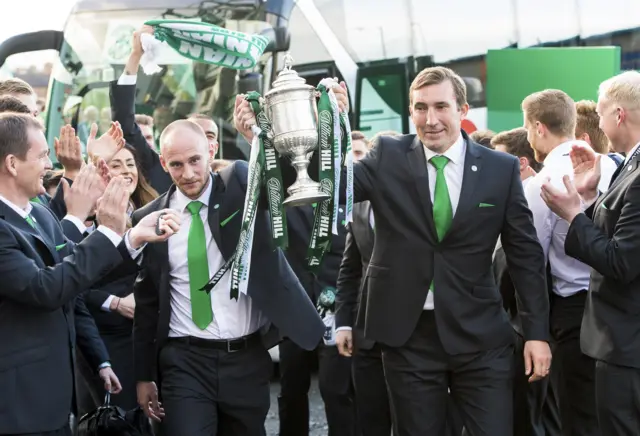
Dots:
(303, 196)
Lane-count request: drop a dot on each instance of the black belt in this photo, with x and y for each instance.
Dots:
(228, 345)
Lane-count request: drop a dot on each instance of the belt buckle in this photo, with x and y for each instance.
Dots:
(229, 348)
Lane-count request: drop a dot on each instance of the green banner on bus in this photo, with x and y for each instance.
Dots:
(512, 74)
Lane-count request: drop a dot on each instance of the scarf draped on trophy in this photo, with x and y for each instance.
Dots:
(203, 42)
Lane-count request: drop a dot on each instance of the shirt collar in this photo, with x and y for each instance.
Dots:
(182, 201)
(22, 212)
(455, 153)
(563, 150)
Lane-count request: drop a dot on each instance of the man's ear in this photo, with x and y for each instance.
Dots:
(10, 163)
(164, 165)
(584, 137)
(524, 163)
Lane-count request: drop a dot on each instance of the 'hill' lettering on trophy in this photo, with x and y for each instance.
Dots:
(270, 158)
(326, 159)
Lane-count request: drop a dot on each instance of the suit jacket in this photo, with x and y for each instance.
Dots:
(357, 254)
(86, 331)
(123, 110)
(407, 255)
(273, 286)
(42, 273)
(610, 244)
(299, 227)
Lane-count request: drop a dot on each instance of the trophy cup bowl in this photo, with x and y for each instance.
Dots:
(291, 107)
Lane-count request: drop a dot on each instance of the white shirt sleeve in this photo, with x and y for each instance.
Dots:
(543, 219)
(113, 236)
(127, 79)
(106, 306)
(134, 253)
(76, 221)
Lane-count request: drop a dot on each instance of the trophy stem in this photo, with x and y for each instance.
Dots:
(304, 190)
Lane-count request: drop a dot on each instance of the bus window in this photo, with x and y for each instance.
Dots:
(382, 100)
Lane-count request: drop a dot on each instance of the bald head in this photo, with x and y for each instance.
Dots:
(185, 154)
(171, 136)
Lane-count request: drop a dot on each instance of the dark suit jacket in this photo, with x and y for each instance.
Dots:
(87, 334)
(407, 255)
(299, 227)
(123, 107)
(357, 254)
(610, 244)
(42, 273)
(273, 286)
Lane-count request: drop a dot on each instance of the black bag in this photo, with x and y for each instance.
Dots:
(108, 420)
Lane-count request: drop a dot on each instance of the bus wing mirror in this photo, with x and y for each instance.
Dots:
(27, 42)
(279, 39)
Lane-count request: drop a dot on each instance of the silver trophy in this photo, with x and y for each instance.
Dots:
(291, 107)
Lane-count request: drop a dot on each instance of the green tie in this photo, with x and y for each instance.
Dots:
(442, 211)
(31, 221)
(201, 311)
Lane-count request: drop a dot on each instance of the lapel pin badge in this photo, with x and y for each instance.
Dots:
(216, 206)
(474, 168)
(629, 168)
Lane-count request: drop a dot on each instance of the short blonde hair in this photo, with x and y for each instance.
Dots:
(437, 75)
(15, 86)
(623, 89)
(589, 122)
(553, 108)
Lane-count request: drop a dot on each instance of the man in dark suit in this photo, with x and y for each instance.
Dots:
(207, 351)
(93, 350)
(43, 272)
(439, 203)
(372, 401)
(606, 238)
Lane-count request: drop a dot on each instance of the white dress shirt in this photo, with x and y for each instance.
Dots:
(232, 318)
(453, 173)
(569, 275)
(113, 236)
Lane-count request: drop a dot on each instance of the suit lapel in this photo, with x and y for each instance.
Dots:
(625, 172)
(20, 223)
(470, 181)
(46, 230)
(418, 166)
(216, 208)
(163, 247)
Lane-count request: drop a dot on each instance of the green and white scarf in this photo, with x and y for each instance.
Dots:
(207, 43)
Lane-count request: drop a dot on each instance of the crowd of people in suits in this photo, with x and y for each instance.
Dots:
(484, 286)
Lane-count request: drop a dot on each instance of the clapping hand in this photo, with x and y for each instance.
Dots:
(586, 171)
(108, 144)
(69, 152)
(82, 197)
(112, 206)
(564, 204)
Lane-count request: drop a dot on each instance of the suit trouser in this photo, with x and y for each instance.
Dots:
(91, 387)
(372, 399)
(528, 398)
(618, 399)
(211, 392)
(65, 431)
(420, 372)
(576, 371)
(336, 389)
